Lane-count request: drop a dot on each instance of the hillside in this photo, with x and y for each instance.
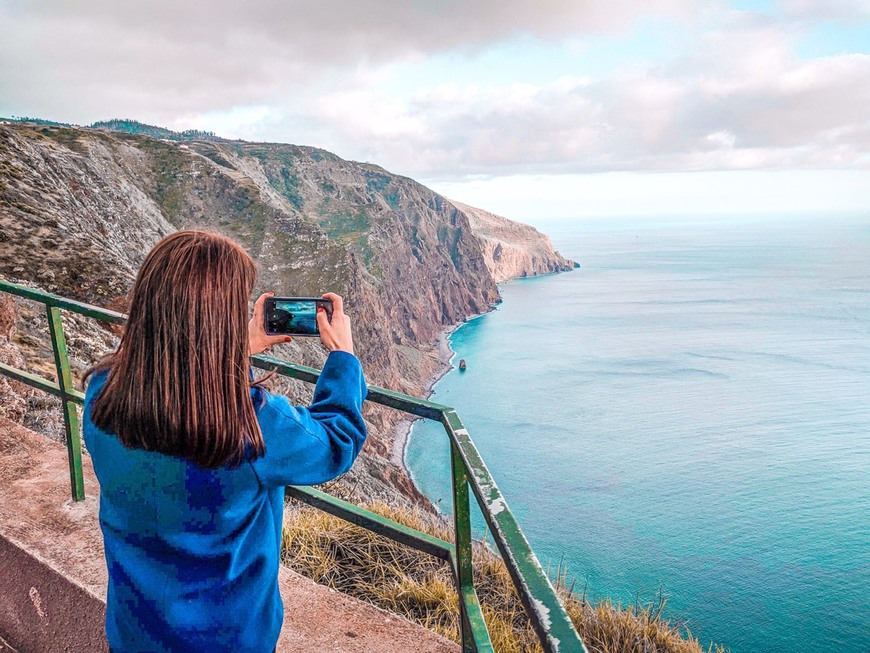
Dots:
(80, 208)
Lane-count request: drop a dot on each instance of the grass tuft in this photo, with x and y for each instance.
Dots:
(419, 587)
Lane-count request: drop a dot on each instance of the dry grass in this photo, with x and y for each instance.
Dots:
(397, 578)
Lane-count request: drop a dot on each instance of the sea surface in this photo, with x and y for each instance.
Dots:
(688, 413)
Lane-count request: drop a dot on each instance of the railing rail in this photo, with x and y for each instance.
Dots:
(551, 622)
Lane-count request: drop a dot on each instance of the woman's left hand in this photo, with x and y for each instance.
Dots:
(258, 340)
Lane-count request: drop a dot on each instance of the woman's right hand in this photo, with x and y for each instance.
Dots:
(336, 334)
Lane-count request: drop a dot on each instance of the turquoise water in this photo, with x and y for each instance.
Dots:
(687, 411)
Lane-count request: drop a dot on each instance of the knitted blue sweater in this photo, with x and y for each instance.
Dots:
(192, 553)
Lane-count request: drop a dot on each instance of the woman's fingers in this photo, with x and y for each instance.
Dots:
(258, 340)
(258, 305)
(337, 302)
(322, 320)
(336, 332)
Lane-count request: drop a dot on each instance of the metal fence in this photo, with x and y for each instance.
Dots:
(552, 625)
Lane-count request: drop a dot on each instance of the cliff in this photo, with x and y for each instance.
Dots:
(512, 249)
(80, 208)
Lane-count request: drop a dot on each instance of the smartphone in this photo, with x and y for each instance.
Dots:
(294, 316)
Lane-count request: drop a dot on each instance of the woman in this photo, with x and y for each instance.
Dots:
(192, 454)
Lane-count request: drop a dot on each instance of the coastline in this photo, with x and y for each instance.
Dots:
(402, 430)
(445, 355)
(442, 350)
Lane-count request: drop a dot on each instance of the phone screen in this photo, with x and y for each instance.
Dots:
(293, 315)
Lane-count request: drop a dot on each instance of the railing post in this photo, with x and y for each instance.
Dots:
(462, 530)
(555, 630)
(70, 416)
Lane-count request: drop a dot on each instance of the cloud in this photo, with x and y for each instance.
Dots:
(77, 57)
(337, 30)
(324, 73)
(743, 100)
(815, 10)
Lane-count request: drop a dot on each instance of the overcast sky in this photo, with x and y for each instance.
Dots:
(546, 109)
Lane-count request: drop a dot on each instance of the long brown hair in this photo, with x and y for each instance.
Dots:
(179, 381)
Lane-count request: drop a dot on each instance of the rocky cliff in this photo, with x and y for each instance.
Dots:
(512, 249)
(80, 208)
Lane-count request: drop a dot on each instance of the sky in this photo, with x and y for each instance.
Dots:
(554, 109)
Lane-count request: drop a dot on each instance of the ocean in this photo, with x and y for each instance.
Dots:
(688, 414)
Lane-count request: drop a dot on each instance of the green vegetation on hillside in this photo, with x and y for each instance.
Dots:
(351, 228)
(127, 126)
(383, 185)
(169, 169)
(37, 121)
(248, 222)
(211, 151)
(347, 227)
(136, 127)
(289, 187)
(66, 136)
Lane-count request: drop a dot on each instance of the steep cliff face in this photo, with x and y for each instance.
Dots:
(13, 394)
(512, 249)
(70, 216)
(80, 208)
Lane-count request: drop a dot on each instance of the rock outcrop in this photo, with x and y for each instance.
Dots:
(512, 249)
(80, 208)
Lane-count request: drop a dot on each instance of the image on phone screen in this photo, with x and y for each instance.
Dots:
(295, 316)
(299, 317)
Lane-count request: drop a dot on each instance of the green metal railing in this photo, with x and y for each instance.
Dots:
(552, 625)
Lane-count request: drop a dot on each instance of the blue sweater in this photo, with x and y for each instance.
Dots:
(192, 553)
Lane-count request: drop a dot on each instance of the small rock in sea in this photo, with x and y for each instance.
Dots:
(462, 364)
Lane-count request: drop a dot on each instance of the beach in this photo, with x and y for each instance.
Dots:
(403, 428)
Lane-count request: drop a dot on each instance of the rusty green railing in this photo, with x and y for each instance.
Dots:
(551, 622)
